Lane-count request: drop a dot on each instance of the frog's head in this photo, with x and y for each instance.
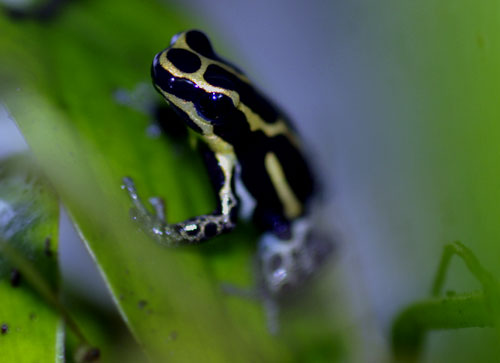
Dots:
(199, 85)
(286, 265)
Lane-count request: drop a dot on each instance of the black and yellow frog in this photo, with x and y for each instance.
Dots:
(253, 156)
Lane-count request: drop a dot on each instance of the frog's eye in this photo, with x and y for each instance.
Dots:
(198, 41)
(215, 107)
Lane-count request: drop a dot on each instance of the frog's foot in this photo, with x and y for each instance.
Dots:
(154, 224)
(285, 265)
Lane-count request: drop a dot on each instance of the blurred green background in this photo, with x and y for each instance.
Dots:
(397, 101)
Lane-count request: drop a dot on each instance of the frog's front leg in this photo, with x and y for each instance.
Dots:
(153, 224)
(197, 229)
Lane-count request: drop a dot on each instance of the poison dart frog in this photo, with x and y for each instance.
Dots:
(253, 156)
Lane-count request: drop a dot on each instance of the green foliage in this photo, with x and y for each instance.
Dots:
(30, 329)
(457, 311)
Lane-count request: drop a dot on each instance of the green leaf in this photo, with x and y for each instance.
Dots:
(109, 338)
(477, 309)
(31, 329)
(62, 98)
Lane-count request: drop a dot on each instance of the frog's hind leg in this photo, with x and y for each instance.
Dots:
(285, 265)
(283, 261)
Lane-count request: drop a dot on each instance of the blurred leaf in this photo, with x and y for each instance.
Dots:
(60, 80)
(449, 54)
(31, 329)
(106, 331)
(458, 311)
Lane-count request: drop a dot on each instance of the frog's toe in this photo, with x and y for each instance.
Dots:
(243, 292)
(158, 205)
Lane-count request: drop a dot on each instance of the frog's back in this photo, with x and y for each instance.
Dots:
(276, 174)
(273, 167)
